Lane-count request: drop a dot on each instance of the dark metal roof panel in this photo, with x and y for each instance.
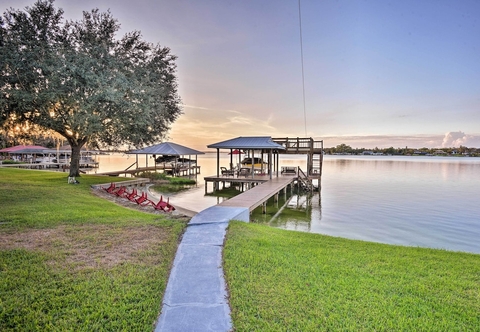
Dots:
(252, 142)
(167, 148)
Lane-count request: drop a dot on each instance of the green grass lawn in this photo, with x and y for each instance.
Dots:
(290, 281)
(72, 261)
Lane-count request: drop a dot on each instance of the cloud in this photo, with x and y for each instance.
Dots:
(208, 109)
(457, 138)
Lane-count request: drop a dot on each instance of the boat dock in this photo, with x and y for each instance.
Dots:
(196, 296)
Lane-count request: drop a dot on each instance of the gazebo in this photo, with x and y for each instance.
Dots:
(25, 150)
(251, 143)
(19, 149)
(166, 149)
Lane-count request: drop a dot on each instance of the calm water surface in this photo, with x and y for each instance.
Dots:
(414, 201)
(428, 202)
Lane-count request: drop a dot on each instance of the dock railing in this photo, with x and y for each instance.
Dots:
(130, 166)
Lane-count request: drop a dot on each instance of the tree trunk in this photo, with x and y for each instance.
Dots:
(75, 159)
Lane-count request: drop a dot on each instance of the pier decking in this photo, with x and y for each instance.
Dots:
(258, 189)
(259, 194)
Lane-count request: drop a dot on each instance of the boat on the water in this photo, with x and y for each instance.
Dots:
(165, 159)
(170, 159)
(257, 163)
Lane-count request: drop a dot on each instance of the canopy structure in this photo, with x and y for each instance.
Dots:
(30, 150)
(250, 143)
(24, 149)
(166, 149)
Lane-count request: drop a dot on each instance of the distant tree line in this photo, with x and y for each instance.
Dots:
(406, 151)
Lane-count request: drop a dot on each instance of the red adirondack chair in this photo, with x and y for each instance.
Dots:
(132, 196)
(165, 206)
(169, 207)
(111, 188)
(121, 191)
(161, 205)
(143, 200)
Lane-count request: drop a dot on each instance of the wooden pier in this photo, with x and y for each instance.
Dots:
(257, 189)
(260, 194)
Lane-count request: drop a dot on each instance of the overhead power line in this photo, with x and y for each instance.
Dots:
(303, 74)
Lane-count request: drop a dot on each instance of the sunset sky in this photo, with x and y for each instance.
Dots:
(377, 73)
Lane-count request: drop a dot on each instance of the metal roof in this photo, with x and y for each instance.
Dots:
(253, 142)
(15, 149)
(167, 148)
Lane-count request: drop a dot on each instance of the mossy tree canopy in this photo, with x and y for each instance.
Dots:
(77, 79)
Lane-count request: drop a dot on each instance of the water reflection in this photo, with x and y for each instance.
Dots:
(429, 202)
(291, 211)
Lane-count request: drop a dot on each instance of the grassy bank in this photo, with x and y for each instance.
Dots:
(290, 281)
(70, 260)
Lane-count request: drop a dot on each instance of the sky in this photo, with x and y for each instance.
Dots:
(376, 73)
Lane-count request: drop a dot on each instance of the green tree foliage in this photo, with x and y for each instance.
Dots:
(77, 79)
(343, 148)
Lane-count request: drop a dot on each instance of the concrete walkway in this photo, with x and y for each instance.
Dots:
(196, 298)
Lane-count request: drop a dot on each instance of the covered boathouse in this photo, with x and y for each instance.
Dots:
(264, 153)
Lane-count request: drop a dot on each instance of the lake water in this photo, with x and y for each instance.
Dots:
(415, 201)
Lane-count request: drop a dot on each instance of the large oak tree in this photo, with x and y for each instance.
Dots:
(76, 78)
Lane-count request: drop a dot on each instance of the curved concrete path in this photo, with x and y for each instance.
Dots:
(196, 298)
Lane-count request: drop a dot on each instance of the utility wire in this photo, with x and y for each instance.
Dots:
(303, 75)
